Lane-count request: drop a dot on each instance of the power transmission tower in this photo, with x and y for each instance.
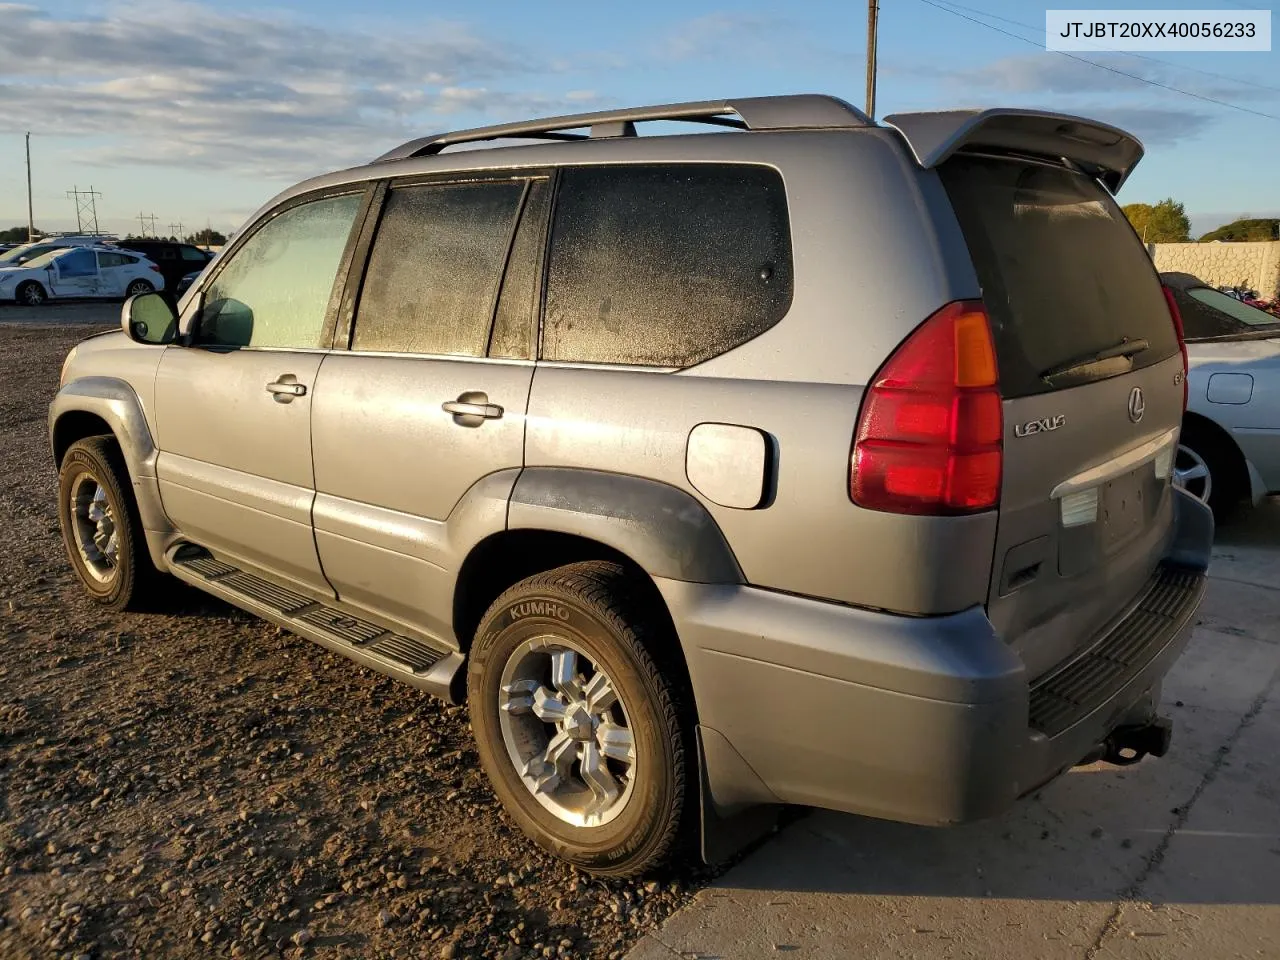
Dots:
(86, 207)
(175, 230)
(145, 219)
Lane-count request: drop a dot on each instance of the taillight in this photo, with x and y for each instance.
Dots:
(155, 268)
(929, 438)
(1176, 314)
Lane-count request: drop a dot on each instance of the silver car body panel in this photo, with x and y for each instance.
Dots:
(1255, 424)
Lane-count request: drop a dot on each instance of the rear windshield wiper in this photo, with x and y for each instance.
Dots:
(1125, 348)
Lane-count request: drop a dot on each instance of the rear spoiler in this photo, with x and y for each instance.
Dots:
(1103, 151)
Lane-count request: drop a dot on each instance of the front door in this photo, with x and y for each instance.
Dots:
(74, 274)
(234, 404)
(430, 399)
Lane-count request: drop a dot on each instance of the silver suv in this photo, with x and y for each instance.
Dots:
(822, 462)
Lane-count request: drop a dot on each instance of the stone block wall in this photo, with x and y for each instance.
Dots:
(1255, 265)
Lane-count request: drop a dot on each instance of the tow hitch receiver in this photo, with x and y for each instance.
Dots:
(1127, 745)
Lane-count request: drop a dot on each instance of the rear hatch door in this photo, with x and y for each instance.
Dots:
(1091, 375)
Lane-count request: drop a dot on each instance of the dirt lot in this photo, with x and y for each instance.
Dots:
(197, 783)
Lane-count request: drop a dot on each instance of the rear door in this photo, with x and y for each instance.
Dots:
(1091, 374)
(430, 398)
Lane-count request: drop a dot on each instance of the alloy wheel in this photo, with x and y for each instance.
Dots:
(566, 730)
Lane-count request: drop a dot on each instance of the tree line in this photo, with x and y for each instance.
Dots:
(1166, 222)
(205, 238)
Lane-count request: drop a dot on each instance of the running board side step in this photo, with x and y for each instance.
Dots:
(427, 666)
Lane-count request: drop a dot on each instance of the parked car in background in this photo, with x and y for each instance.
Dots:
(697, 465)
(99, 272)
(26, 252)
(1229, 450)
(185, 283)
(175, 260)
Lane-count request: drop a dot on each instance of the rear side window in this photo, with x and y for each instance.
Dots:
(665, 265)
(114, 260)
(1063, 275)
(435, 267)
(193, 254)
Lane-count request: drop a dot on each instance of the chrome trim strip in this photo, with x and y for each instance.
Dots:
(1116, 466)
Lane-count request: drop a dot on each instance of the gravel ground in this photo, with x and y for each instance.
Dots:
(196, 782)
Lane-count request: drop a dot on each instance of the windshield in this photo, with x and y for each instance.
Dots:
(1233, 307)
(11, 257)
(43, 260)
(1208, 314)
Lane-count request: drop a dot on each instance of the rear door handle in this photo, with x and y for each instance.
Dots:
(286, 388)
(472, 408)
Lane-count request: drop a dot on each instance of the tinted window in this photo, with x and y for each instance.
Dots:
(77, 263)
(517, 305)
(665, 265)
(1245, 316)
(435, 267)
(1063, 275)
(274, 290)
(194, 254)
(114, 260)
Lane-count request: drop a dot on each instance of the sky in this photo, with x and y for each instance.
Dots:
(199, 112)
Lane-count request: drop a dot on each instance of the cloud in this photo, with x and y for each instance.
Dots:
(1152, 125)
(737, 36)
(185, 83)
(1057, 74)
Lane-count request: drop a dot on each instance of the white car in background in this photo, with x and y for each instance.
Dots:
(100, 272)
(20, 254)
(1230, 445)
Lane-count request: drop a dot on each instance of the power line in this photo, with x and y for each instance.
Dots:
(1127, 53)
(144, 219)
(175, 230)
(1103, 66)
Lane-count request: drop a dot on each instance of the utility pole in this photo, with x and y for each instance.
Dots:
(175, 230)
(873, 10)
(144, 219)
(86, 206)
(31, 219)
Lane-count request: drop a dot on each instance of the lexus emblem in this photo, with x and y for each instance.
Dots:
(1137, 406)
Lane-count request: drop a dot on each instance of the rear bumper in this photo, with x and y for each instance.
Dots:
(927, 720)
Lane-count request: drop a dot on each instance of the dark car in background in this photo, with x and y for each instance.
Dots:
(175, 260)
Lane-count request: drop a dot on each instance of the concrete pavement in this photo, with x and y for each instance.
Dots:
(1171, 858)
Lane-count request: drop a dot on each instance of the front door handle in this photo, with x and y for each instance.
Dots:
(472, 408)
(286, 388)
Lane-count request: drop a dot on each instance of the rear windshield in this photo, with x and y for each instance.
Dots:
(1063, 275)
(1208, 314)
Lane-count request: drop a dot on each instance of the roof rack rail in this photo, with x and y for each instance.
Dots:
(793, 112)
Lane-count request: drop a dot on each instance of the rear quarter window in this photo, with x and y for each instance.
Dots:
(1063, 275)
(665, 265)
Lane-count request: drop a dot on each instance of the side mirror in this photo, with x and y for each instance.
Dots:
(148, 318)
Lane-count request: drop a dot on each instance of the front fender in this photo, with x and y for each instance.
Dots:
(116, 403)
(665, 530)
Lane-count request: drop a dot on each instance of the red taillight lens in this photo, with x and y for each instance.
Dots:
(1176, 314)
(930, 435)
(155, 268)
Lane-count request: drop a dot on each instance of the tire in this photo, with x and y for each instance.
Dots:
(30, 294)
(1210, 468)
(136, 287)
(93, 478)
(597, 612)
